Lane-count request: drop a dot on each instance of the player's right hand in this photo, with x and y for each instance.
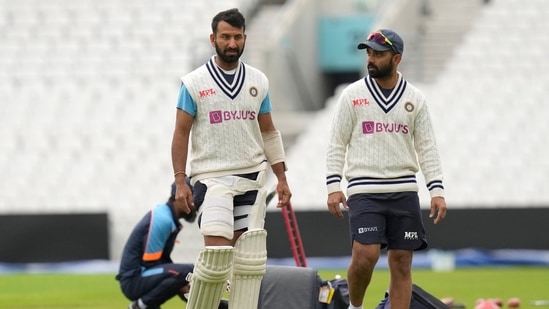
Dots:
(335, 201)
(184, 194)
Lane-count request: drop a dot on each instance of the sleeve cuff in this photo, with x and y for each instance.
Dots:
(334, 187)
(437, 192)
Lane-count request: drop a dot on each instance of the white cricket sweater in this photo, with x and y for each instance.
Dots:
(225, 135)
(383, 141)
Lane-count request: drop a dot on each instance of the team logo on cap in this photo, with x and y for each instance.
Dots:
(409, 107)
(253, 92)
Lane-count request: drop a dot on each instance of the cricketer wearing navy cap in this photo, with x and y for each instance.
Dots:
(381, 136)
(382, 40)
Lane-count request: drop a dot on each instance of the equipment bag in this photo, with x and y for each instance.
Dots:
(289, 287)
(420, 300)
(336, 294)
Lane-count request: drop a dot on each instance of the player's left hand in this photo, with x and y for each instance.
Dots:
(284, 194)
(438, 208)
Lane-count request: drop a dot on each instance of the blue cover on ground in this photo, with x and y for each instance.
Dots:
(463, 258)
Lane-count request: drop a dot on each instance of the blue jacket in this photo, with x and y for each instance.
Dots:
(151, 242)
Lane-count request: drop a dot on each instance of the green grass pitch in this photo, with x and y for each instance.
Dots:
(465, 285)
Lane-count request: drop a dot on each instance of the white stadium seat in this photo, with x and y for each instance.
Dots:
(88, 91)
(88, 94)
(488, 110)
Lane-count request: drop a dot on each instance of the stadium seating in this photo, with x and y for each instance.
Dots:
(488, 110)
(88, 92)
(88, 89)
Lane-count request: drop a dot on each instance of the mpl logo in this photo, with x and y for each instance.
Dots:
(410, 235)
(361, 102)
(206, 92)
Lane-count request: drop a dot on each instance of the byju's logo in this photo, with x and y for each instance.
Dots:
(216, 117)
(368, 127)
(410, 235)
(371, 127)
(220, 116)
(362, 230)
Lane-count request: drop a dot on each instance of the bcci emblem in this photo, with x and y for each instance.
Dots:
(409, 107)
(253, 92)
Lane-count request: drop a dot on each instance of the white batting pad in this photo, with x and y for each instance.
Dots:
(249, 264)
(212, 269)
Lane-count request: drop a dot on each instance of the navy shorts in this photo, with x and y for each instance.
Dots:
(392, 220)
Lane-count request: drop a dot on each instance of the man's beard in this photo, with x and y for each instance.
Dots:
(380, 72)
(226, 58)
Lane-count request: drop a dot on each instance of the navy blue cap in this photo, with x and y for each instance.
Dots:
(397, 47)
